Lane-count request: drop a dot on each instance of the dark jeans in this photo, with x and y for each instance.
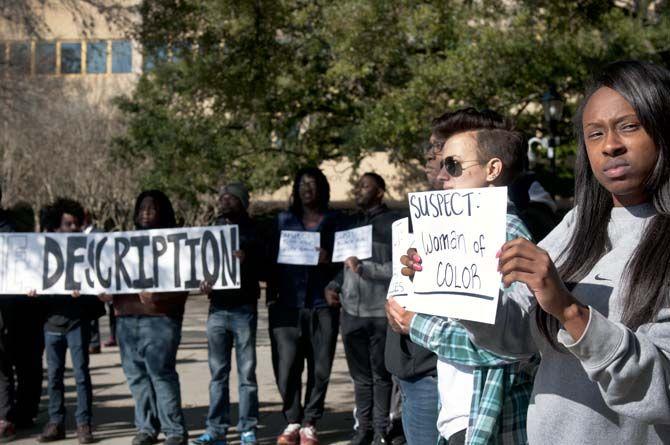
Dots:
(419, 410)
(364, 339)
(226, 329)
(149, 357)
(300, 335)
(77, 339)
(21, 347)
(95, 334)
(112, 320)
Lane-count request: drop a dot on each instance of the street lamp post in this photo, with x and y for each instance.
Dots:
(552, 105)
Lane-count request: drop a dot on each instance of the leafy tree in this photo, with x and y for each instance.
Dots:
(254, 89)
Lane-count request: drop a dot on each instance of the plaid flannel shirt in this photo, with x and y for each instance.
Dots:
(502, 386)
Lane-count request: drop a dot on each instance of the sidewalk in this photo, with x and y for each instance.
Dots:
(113, 405)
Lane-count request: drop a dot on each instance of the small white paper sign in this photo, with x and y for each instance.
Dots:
(400, 286)
(354, 242)
(457, 235)
(299, 247)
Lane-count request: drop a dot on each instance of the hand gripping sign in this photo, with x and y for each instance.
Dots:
(122, 262)
(457, 234)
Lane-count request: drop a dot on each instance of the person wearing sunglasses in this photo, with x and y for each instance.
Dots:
(484, 397)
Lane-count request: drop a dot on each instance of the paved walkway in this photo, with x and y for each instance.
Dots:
(113, 405)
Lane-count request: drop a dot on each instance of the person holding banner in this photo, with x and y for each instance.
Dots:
(484, 397)
(360, 289)
(302, 325)
(21, 322)
(68, 325)
(232, 323)
(595, 300)
(148, 330)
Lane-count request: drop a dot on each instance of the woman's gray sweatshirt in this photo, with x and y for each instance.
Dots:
(611, 386)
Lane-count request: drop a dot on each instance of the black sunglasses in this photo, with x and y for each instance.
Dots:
(455, 167)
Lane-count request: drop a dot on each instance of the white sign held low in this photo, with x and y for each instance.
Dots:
(354, 242)
(457, 234)
(299, 247)
(400, 286)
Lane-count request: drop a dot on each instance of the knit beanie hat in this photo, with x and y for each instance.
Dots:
(238, 190)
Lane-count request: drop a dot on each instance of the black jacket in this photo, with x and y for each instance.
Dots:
(6, 225)
(407, 360)
(251, 269)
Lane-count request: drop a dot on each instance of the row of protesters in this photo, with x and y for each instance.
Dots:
(591, 298)
(21, 322)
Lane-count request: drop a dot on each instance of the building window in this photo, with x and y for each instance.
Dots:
(122, 56)
(45, 58)
(19, 58)
(96, 57)
(70, 58)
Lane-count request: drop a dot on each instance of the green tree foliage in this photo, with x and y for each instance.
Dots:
(254, 89)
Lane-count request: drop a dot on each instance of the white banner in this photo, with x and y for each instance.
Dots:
(159, 260)
(457, 234)
(354, 242)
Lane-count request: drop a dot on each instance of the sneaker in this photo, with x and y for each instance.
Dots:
(176, 440)
(207, 439)
(290, 436)
(52, 432)
(380, 439)
(85, 434)
(7, 431)
(94, 349)
(248, 438)
(109, 343)
(308, 436)
(362, 437)
(142, 438)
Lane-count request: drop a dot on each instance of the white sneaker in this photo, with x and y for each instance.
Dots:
(290, 436)
(308, 436)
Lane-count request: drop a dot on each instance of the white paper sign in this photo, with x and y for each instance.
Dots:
(400, 286)
(160, 260)
(355, 242)
(299, 247)
(457, 234)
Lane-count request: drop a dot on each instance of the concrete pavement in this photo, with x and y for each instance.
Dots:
(113, 405)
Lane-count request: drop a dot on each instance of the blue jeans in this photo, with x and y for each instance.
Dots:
(228, 328)
(420, 402)
(149, 357)
(56, 345)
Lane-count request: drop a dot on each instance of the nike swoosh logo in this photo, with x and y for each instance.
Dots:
(599, 278)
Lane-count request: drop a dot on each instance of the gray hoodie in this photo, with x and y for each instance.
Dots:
(612, 385)
(363, 294)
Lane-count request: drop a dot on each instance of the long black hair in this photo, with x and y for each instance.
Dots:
(646, 87)
(166, 218)
(322, 190)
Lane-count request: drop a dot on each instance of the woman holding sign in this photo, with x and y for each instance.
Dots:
(595, 304)
(148, 330)
(302, 325)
